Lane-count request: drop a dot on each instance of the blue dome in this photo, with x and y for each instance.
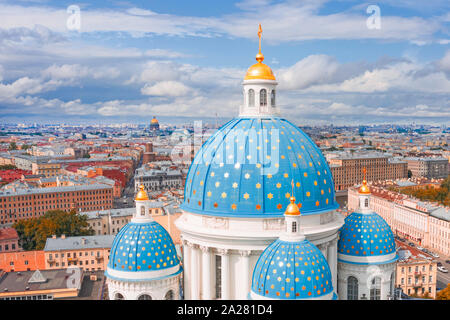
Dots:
(142, 247)
(292, 270)
(365, 235)
(226, 177)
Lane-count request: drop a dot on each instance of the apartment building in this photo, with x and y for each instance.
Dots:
(430, 168)
(416, 272)
(9, 240)
(89, 253)
(34, 202)
(22, 261)
(347, 169)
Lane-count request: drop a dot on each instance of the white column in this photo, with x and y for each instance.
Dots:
(187, 269)
(225, 274)
(195, 294)
(245, 254)
(206, 273)
(332, 261)
(323, 248)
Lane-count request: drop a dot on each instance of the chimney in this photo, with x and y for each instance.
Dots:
(54, 236)
(63, 236)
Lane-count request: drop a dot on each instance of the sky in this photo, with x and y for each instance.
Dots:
(336, 62)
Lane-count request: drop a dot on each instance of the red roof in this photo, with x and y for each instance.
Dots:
(8, 233)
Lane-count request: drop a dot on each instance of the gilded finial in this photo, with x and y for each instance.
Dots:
(259, 71)
(260, 56)
(364, 189)
(293, 209)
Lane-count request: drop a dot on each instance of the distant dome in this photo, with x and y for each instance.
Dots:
(222, 186)
(154, 121)
(143, 247)
(292, 270)
(366, 235)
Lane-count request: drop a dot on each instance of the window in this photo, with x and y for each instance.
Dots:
(218, 277)
(263, 98)
(142, 211)
(119, 296)
(366, 203)
(144, 297)
(251, 98)
(294, 226)
(272, 98)
(169, 295)
(352, 288)
(375, 289)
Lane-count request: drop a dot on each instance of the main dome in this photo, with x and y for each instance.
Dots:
(252, 166)
(292, 270)
(140, 247)
(365, 235)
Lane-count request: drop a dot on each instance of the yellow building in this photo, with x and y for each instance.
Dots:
(90, 253)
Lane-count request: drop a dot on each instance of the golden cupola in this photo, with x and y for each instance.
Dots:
(142, 194)
(364, 189)
(259, 71)
(293, 209)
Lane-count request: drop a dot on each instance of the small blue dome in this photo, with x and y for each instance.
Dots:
(292, 270)
(365, 235)
(142, 247)
(226, 177)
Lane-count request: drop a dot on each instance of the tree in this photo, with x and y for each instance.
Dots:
(33, 233)
(444, 294)
(8, 167)
(12, 146)
(409, 173)
(25, 147)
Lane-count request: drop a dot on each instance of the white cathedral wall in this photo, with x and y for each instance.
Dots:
(239, 242)
(157, 289)
(365, 274)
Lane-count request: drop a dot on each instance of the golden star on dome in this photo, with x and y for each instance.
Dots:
(270, 196)
(246, 196)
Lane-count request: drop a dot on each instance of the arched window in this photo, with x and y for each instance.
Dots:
(263, 98)
(392, 284)
(251, 98)
(375, 289)
(366, 202)
(119, 296)
(144, 297)
(272, 98)
(142, 211)
(294, 226)
(169, 295)
(352, 288)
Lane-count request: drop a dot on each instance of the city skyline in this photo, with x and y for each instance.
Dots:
(126, 62)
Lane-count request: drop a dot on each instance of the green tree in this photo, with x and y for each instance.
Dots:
(33, 233)
(7, 167)
(25, 147)
(409, 173)
(12, 146)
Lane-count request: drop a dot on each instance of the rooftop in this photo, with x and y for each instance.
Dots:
(79, 243)
(8, 233)
(45, 280)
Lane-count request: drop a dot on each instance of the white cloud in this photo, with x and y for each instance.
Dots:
(166, 88)
(288, 21)
(312, 70)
